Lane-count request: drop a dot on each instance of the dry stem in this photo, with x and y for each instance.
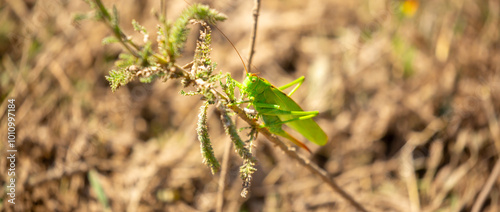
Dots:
(223, 174)
(313, 168)
(256, 9)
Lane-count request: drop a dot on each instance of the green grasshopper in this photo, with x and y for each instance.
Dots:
(277, 108)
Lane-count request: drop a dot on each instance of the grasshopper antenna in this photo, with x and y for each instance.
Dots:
(234, 47)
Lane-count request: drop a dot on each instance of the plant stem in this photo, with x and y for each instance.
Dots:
(313, 168)
(223, 174)
(256, 9)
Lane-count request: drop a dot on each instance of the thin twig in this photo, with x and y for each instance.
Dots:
(487, 187)
(407, 171)
(256, 9)
(163, 11)
(223, 174)
(316, 170)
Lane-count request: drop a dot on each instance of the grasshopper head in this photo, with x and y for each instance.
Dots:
(253, 84)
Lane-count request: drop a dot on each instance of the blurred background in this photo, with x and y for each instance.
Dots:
(408, 93)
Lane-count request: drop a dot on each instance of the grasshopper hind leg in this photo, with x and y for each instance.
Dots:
(286, 135)
(273, 123)
(298, 81)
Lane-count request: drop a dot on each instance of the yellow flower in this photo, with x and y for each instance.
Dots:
(409, 7)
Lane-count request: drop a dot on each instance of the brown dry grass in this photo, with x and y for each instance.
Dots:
(411, 106)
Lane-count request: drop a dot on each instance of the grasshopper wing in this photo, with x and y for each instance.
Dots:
(307, 127)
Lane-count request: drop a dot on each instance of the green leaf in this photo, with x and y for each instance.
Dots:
(109, 40)
(138, 27)
(119, 78)
(116, 17)
(79, 17)
(125, 60)
(98, 189)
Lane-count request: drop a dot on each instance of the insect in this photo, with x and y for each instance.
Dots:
(277, 108)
